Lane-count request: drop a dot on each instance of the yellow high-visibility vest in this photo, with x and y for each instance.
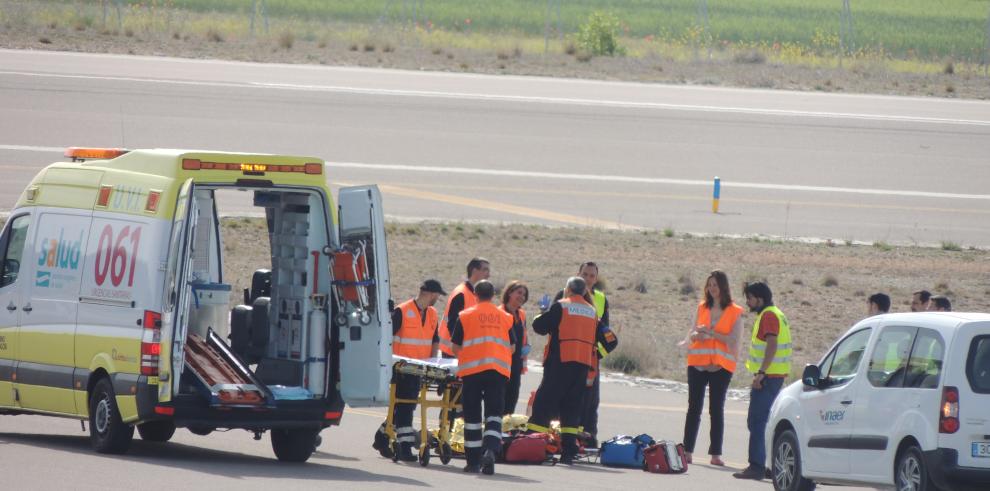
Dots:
(781, 364)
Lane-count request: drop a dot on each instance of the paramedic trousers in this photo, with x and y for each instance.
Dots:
(512, 386)
(486, 387)
(406, 387)
(718, 386)
(562, 393)
(590, 418)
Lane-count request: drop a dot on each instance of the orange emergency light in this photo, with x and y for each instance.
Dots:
(81, 153)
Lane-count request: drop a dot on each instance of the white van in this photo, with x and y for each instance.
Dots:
(115, 306)
(900, 399)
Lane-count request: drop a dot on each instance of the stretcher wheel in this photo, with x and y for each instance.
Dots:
(446, 453)
(424, 456)
(394, 448)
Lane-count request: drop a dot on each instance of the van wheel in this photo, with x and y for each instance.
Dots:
(157, 431)
(786, 470)
(200, 430)
(910, 473)
(294, 445)
(107, 432)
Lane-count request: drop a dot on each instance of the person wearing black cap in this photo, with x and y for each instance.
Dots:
(414, 335)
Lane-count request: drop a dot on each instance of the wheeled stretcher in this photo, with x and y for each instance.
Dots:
(437, 376)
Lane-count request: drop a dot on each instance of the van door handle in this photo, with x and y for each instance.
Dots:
(846, 402)
(27, 308)
(11, 307)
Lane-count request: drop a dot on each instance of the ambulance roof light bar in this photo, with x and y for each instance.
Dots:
(83, 153)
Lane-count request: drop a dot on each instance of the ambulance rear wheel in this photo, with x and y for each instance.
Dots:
(156, 431)
(294, 445)
(107, 432)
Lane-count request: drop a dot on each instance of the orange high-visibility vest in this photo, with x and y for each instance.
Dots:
(712, 351)
(576, 333)
(486, 344)
(415, 337)
(522, 318)
(470, 300)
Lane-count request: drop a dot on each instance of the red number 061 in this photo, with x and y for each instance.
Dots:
(111, 255)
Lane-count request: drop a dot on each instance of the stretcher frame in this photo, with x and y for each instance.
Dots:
(431, 380)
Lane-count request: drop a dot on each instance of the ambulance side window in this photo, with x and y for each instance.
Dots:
(172, 271)
(12, 245)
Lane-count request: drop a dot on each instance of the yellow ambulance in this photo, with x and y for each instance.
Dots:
(115, 307)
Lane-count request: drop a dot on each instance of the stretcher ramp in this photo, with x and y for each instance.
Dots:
(226, 380)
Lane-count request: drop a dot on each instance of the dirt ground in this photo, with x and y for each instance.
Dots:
(653, 282)
(728, 70)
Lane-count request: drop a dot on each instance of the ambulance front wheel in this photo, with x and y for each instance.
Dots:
(156, 431)
(107, 432)
(295, 444)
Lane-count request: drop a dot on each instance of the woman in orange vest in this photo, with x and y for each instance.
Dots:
(711, 358)
(516, 294)
(482, 340)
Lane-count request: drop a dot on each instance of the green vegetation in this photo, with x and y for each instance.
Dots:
(600, 35)
(926, 29)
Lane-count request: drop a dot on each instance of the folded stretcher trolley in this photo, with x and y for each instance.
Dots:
(435, 376)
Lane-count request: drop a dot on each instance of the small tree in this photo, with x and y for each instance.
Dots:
(599, 36)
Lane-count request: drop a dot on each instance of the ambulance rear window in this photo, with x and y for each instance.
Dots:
(978, 365)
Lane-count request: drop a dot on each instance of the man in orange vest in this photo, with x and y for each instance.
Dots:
(414, 335)
(461, 298)
(572, 324)
(483, 341)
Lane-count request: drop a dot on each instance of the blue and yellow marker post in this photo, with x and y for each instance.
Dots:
(715, 194)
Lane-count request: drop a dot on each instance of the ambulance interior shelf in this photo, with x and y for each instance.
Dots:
(268, 332)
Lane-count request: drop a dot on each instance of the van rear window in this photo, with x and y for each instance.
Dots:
(978, 365)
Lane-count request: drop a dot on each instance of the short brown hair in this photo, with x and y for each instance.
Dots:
(511, 287)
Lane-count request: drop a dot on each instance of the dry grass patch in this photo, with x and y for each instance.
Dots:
(645, 273)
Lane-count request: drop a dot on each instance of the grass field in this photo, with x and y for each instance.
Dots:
(927, 29)
(653, 281)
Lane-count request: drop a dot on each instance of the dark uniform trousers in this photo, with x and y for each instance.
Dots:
(488, 387)
(406, 387)
(590, 417)
(512, 387)
(562, 392)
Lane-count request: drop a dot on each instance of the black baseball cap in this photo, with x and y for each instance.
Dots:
(432, 286)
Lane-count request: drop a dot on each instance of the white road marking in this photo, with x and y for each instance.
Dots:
(525, 99)
(604, 178)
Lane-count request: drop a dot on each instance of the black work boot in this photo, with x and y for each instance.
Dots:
(751, 472)
(406, 453)
(488, 463)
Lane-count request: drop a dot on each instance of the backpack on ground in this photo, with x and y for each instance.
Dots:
(526, 448)
(625, 451)
(665, 457)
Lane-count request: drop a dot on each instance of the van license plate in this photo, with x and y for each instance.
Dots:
(981, 449)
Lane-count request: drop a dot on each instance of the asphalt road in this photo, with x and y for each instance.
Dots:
(39, 452)
(526, 149)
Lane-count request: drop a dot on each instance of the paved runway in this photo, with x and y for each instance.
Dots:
(527, 149)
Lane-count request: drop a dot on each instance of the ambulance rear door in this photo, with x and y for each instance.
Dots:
(178, 275)
(364, 323)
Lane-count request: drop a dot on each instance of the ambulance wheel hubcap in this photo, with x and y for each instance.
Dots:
(783, 465)
(102, 415)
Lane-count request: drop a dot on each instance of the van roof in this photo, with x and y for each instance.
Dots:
(137, 180)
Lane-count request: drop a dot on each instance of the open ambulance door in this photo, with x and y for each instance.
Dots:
(178, 275)
(362, 293)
